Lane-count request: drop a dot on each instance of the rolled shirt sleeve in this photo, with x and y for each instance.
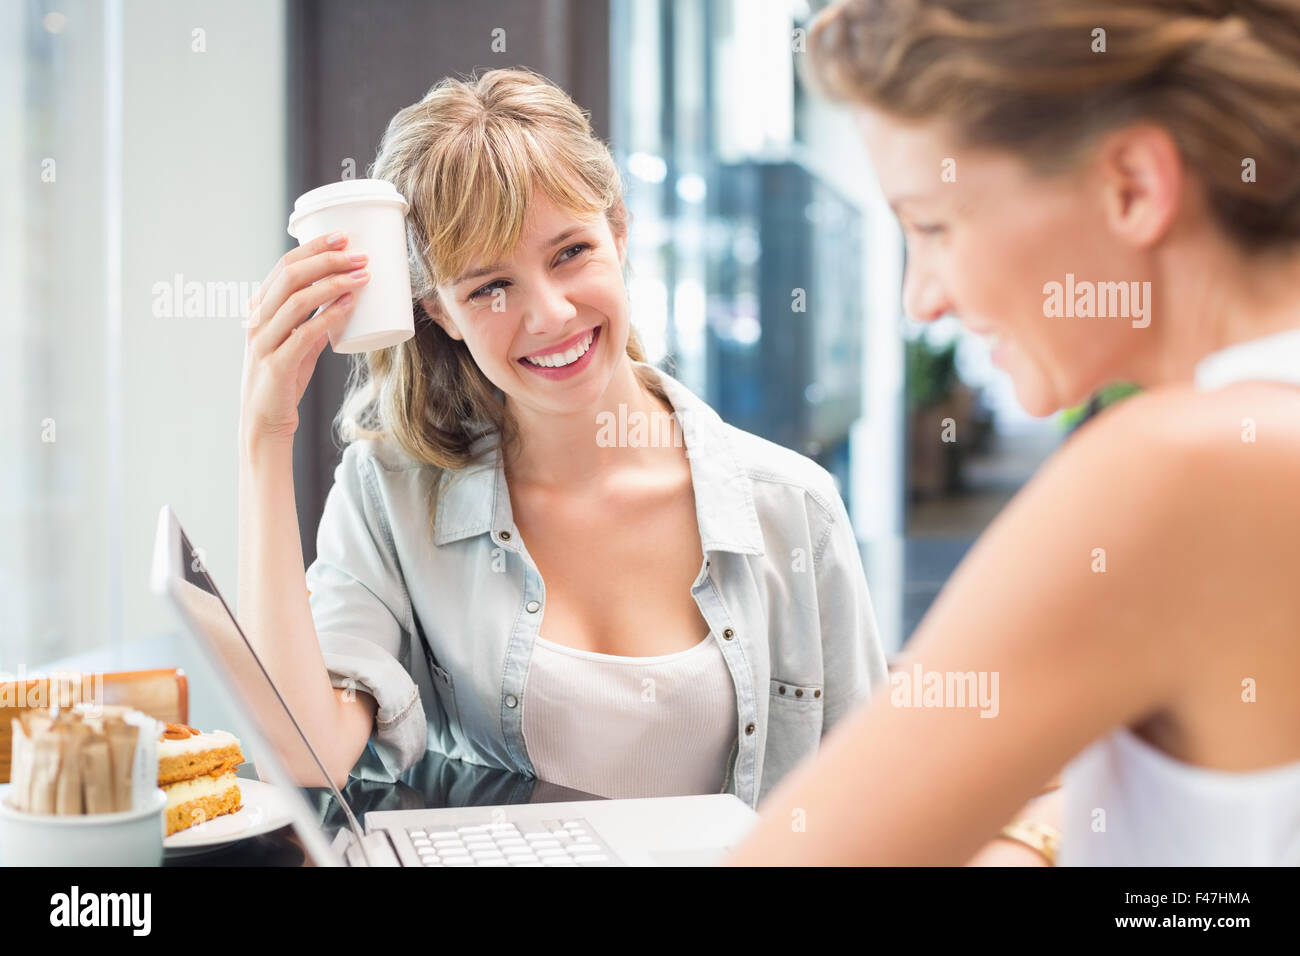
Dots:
(853, 657)
(363, 614)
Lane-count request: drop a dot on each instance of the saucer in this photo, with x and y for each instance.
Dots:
(262, 811)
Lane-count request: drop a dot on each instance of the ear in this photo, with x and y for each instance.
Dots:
(1142, 175)
(433, 308)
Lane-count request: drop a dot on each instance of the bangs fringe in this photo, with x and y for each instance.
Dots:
(480, 195)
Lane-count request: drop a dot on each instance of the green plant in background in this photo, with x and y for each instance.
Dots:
(931, 372)
(1072, 418)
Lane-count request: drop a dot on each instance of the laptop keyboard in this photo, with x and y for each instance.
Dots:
(569, 842)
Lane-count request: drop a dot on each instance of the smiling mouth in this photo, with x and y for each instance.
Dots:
(561, 358)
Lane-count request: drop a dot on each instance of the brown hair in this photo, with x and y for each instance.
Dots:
(467, 157)
(1222, 77)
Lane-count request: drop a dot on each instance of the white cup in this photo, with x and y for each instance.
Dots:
(129, 838)
(373, 214)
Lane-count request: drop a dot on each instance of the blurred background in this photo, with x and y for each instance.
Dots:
(154, 148)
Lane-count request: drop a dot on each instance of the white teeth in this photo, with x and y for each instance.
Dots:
(561, 359)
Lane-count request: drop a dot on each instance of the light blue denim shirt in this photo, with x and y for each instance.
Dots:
(440, 629)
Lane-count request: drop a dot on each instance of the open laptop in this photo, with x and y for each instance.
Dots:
(654, 831)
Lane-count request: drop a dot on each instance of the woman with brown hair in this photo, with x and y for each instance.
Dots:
(540, 552)
(1109, 190)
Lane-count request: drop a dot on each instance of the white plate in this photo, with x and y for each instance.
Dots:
(262, 811)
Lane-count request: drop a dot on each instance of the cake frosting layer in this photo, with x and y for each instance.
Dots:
(206, 786)
(216, 740)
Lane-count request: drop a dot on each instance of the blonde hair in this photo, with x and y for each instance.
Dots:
(1222, 76)
(467, 158)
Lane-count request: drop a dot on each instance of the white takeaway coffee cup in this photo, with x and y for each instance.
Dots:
(373, 214)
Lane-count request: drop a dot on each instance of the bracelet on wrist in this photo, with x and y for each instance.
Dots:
(1039, 837)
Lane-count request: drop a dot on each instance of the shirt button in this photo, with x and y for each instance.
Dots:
(532, 607)
(511, 700)
(781, 689)
(503, 535)
(749, 730)
(798, 692)
(728, 634)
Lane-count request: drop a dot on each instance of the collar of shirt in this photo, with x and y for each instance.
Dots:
(474, 500)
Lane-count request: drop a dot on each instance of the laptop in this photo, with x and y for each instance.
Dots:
(696, 830)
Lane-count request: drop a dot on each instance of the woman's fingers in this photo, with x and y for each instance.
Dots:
(257, 311)
(311, 337)
(311, 283)
(309, 294)
(295, 270)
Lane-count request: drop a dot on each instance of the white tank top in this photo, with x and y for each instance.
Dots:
(630, 726)
(1155, 809)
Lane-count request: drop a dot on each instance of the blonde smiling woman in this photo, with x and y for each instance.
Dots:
(496, 580)
(1138, 598)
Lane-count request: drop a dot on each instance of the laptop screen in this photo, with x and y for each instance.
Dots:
(237, 672)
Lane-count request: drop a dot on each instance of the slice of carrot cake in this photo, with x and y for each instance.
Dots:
(197, 772)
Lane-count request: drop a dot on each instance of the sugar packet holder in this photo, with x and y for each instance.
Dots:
(86, 760)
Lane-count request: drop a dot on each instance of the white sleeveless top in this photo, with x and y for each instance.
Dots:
(630, 726)
(1155, 809)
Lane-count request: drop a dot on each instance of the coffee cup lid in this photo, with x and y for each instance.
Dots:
(345, 191)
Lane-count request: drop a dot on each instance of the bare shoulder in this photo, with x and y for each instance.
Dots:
(1182, 442)
(1146, 538)
(1265, 413)
(1185, 502)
